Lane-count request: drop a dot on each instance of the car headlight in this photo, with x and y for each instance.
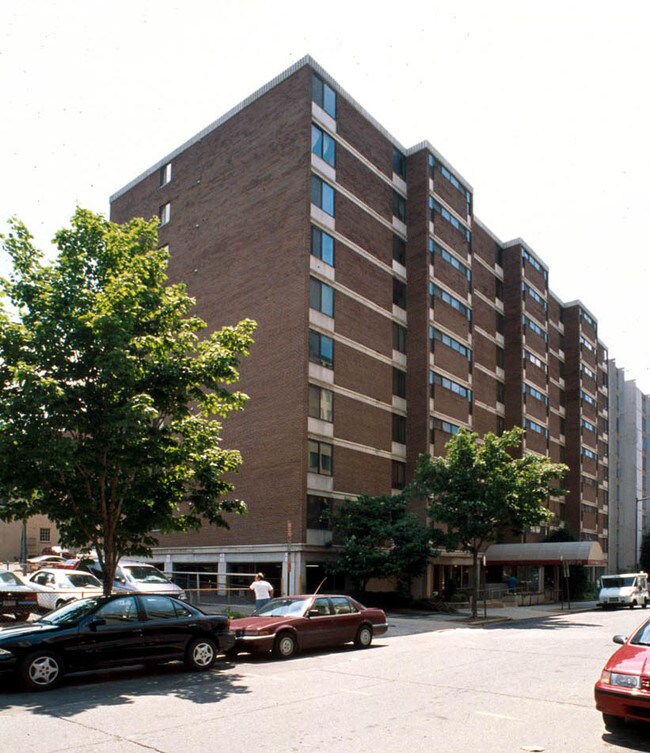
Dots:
(632, 682)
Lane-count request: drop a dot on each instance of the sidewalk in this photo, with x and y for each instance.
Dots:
(492, 616)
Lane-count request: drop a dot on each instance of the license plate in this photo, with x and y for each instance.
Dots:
(9, 602)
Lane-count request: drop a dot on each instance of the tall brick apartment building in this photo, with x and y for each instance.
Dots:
(389, 316)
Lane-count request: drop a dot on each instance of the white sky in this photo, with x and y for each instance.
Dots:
(542, 106)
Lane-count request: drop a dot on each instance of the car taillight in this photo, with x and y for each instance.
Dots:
(227, 623)
(30, 597)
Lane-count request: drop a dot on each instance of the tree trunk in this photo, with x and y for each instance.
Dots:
(477, 583)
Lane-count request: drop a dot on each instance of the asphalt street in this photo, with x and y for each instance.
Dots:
(517, 686)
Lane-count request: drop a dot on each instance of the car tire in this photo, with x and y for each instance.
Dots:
(285, 646)
(41, 670)
(201, 654)
(364, 637)
(645, 604)
(612, 722)
(60, 603)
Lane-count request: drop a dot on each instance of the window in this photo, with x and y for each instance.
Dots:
(501, 425)
(534, 360)
(341, 605)
(526, 290)
(586, 370)
(323, 145)
(320, 457)
(44, 535)
(322, 245)
(321, 349)
(399, 429)
(322, 195)
(450, 342)
(165, 213)
(165, 174)
(399, 337)
(399, 250)
(399, 206)
(533, 392)
(435, 207)
(587, 425)
(321, 403)
(500, 356)
(319, 512)
(588, 453)
(399, 293)
(437, 424)
(324, 96)
(399, 382)
(534, 327)
(448, 384)
(534, 426)
(159, 607)
(498, 288)
(526, 257)
(500, 323)
(501, 392)
(436, 248)
(118, 611)
(585, 397)
(398, 475)
(399, 163)
(436, 291)
(321, 297)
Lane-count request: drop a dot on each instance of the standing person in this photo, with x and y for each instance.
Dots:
(263, 590)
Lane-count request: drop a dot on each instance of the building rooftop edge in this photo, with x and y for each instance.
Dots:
(304, 61)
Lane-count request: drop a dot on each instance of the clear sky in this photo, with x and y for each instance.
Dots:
(542, 106)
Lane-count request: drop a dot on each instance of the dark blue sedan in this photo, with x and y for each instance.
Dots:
(111, 631)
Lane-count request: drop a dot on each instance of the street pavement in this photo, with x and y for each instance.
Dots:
(507, 686)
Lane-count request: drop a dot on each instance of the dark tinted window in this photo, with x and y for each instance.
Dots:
(118, 611)
(159, 607)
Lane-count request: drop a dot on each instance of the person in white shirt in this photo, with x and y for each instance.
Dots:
(263, 590)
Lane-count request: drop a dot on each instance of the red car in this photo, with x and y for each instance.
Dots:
(289, 624)
(623, 690)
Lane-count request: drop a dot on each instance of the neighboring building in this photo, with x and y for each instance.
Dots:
(389, 316)
(39, 533)
(629, 412)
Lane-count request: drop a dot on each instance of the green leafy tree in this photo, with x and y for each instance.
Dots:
(108, 418)
(480, 491)
(381, 539)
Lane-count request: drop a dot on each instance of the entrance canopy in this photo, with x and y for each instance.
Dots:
(549, 553)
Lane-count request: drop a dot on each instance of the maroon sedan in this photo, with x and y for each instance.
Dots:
(624, 686)
(289, 624)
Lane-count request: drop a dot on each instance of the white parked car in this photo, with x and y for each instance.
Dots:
(135, 576)
(56, 587)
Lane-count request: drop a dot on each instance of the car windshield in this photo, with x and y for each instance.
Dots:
(145, 574)
(283, 607)
(9, 579)
(72, 612)
(82, 580)
(642, 636)
(617, 582)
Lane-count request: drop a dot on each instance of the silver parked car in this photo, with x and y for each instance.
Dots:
(135, 576)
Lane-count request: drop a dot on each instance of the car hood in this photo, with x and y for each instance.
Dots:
(16, 631)
(244, 623)
(630, 659)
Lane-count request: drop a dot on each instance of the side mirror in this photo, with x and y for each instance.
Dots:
(619, 639)
(96, 622)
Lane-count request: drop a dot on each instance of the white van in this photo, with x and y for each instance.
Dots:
(624, 590)
(136, 576)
